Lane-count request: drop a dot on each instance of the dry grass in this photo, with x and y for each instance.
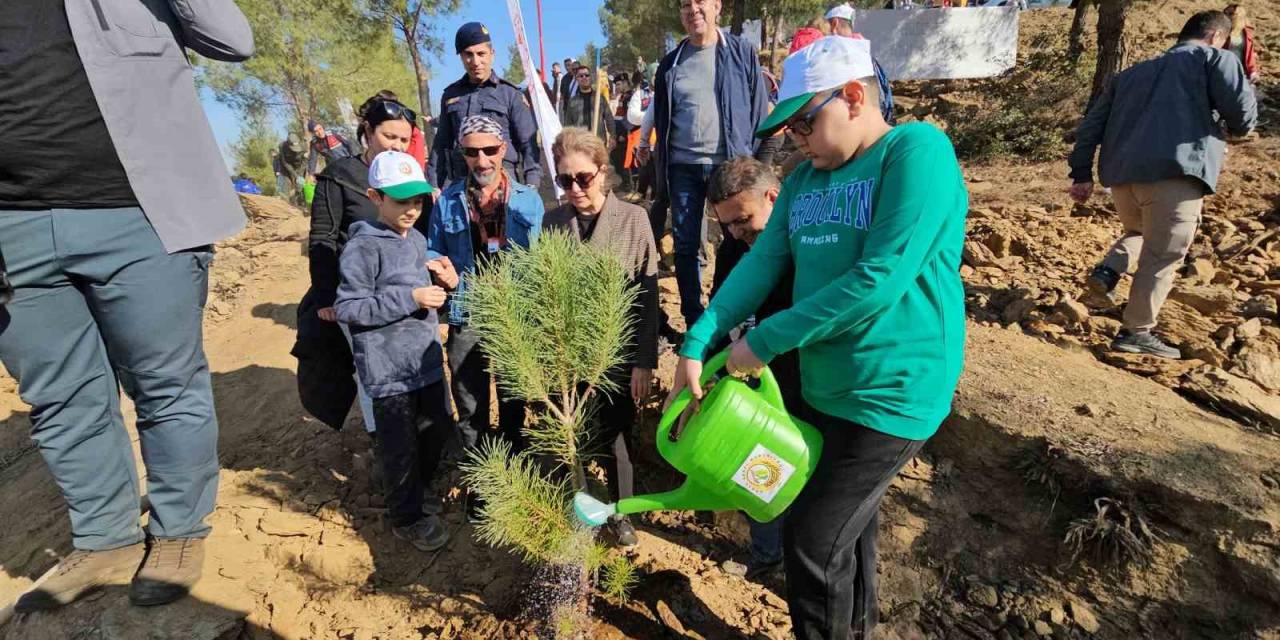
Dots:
(1116, 535)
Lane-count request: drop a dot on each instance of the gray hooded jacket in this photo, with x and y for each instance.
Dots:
(395, 342)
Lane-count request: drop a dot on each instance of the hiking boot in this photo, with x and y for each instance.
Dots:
(80, 573)
(172, 567)
(427, 534)
(1145, 343)
(623, 532)
(1102, 280)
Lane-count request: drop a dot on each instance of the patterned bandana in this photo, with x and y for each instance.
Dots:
(481, 124)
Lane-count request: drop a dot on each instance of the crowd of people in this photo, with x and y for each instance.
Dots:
(839, 271)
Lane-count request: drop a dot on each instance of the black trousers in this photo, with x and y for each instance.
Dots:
(610, 444)
(412, 430)
(830, 535)
(469, 367)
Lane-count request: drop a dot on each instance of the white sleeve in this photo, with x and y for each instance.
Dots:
(635, 110)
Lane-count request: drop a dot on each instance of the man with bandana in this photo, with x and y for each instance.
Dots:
(475, 219)
(482, 92)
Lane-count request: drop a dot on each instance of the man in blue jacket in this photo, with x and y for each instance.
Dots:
(709, 97)
(1161, 125)
(474, 221)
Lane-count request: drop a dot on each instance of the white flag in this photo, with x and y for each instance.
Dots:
(545, 114)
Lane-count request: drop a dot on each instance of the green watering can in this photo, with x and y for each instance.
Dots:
(740, 450)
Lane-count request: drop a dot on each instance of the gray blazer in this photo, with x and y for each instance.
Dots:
(133, 53)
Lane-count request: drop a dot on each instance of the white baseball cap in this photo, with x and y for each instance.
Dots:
(398, 175)
(827, 64)
(841, 11)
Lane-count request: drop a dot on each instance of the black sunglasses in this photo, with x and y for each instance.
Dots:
(583, 179)
(384, 110)
(473, 152)
(803, 126)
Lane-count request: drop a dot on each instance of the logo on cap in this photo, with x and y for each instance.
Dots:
(405, 169)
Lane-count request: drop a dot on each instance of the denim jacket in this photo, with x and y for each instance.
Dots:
(449, 233)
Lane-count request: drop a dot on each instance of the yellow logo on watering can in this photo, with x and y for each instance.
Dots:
(763, 473)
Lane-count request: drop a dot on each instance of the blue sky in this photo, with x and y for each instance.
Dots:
(568, 25)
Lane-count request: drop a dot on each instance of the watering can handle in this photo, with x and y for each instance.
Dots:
(768, 388)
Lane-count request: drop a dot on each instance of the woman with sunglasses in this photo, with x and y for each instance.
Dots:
(599, 218)
(325, 368)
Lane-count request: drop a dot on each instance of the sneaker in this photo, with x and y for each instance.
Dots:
(1145, 343)
(172, 567)
(1102, 281)
(623, 532)
(427, 534)
(757, 571)
(432, 505)
(80, 573)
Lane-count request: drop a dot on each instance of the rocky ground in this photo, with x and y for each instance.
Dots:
(1173, 468)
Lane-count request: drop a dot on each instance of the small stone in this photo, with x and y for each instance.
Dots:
(1270, 481)
(1259, 307)
(1249, 329)
(1057, 615)
(1043, 629)
(1075, 312)
(669, 618)
(1020, 621)
(984, 595)
(1084, 618)
(1085, 410)
(1201, 271)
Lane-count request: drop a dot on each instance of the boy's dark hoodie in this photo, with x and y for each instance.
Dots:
(395, 342)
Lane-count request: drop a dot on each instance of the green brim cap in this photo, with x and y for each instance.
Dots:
(406, 190)
(781, 113)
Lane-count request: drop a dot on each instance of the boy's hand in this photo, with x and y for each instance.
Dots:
(328, 314)
(443, 272)
(688, 371)
(743, 361)
(429, 297)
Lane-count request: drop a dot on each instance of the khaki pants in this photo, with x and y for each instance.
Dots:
(1160, 220)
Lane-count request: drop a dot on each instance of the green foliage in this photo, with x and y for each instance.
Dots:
(514, 72)
(554, 320)
(252, 154)
(588, 57)
(637, 28)
(986, 134)
(619, 576)
(309, 55)
(524, 509)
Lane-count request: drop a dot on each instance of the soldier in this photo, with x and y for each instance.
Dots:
(481, 92)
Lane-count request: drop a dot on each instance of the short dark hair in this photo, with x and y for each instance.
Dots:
(1200, 25)
(743, 173)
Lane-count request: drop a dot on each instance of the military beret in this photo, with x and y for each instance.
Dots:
(470, 34)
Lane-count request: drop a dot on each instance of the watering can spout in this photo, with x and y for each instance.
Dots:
(688, 497)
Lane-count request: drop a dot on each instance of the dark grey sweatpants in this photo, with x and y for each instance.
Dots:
(98, 306)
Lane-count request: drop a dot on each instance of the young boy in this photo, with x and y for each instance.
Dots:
(387, 297)
(873, 224)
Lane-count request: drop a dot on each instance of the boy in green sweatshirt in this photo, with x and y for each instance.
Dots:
(873, 224)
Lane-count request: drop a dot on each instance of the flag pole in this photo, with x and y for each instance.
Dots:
(542, 54)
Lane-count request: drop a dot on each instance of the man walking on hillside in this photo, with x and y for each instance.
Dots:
(578, 109)
(1161, 125)
(709, 96)
(482, 92)
(108, 233)
(325, 143)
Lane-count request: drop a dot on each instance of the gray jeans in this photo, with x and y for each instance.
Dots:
(99, 306)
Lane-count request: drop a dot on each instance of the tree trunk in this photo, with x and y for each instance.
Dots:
(424, 90)
(1075, 38)
(764, 38)
(1112, 53)
(777, 39)
(739, 17)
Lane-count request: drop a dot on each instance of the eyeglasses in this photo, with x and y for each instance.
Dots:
(583, 180)
(390, 110)
(474, 152)
(804, 126)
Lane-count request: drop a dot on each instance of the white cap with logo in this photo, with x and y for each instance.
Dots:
(398, 175)
(841, 11)
(827, 64)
